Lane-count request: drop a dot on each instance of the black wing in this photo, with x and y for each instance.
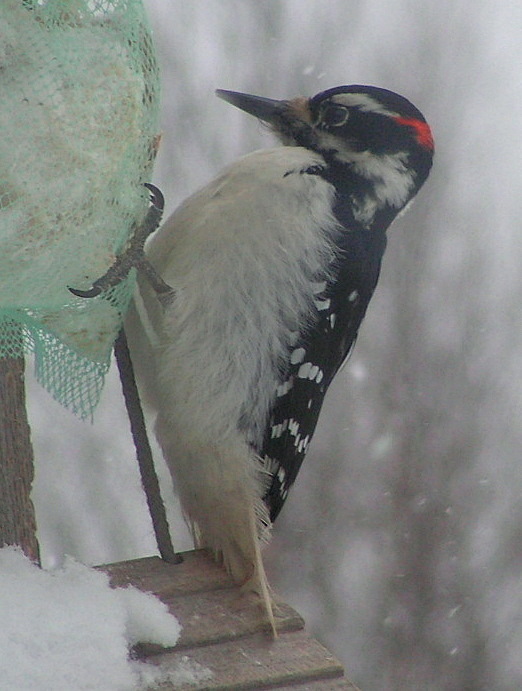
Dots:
(317, 356)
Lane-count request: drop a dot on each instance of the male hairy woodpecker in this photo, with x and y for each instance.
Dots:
(272, 267)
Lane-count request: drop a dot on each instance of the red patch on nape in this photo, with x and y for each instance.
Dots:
(422, 131)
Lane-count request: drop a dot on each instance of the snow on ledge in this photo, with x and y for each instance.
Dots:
(68, 629)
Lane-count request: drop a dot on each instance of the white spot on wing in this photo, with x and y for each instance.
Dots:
(303, 444)
(293, 427)
(297, 356)
(285, 387)
(322, 304)
(277, 431)
(313, 372)
(304, 370)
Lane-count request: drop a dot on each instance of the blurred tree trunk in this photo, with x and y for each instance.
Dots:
(17, 516)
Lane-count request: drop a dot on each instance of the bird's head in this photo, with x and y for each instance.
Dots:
(371, 132)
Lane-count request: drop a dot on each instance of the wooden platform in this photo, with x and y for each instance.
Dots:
(223, 630)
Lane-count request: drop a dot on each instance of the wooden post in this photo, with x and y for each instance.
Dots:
(17, 516)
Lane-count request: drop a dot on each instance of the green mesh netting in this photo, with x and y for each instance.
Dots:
(79, 97)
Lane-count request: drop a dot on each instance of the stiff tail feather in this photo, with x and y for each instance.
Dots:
(220, 489)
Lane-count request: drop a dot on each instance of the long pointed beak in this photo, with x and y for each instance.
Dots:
(265, 109)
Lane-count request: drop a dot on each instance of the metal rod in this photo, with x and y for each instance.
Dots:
(148, 474)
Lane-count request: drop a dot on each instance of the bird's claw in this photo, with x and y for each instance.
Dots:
(91, 293)
(134, 254)
(156, 198)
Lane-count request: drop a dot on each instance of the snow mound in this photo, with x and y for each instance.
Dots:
(68, 629)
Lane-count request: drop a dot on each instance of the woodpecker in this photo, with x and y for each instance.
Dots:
(272, 266)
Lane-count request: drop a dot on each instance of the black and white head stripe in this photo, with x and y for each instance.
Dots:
(369, 99)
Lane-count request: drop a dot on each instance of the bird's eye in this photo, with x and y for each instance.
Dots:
(334, 115)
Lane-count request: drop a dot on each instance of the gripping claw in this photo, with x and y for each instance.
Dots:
(91, 293)
(133, 255)
(157, 199)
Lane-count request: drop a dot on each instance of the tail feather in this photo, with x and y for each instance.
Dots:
(244, 562)
(220, 495)
(259, 582)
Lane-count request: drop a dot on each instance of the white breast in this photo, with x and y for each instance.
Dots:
(241, 255)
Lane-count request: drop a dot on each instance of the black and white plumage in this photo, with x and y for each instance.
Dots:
(272, 266)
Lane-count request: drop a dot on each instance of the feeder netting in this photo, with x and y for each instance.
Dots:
(78, 115)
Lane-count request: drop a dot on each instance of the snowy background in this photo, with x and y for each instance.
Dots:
(400, 543)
